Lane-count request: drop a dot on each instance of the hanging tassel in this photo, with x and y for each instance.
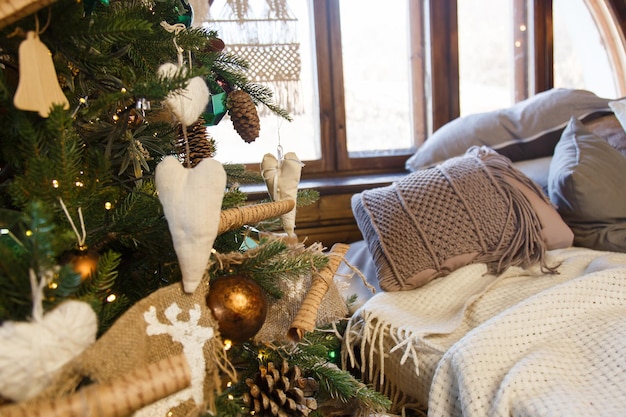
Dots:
(38, 88)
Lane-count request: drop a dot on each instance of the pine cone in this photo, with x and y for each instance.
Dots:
(244, 115)
(201, 144)
(279, 392)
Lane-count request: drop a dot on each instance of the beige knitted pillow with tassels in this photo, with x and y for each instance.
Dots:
(473, 208)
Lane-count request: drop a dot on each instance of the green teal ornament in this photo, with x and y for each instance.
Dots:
(90, 5)
(185, 12)
(216, 108)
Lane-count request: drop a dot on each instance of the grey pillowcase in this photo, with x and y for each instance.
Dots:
(587, 183)
(529, 129)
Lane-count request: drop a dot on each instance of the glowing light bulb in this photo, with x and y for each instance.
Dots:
(55, 183)
(29, 233)
(228, 344)
(53, 285)
(108, 205)
(123, 90)
(111, 297)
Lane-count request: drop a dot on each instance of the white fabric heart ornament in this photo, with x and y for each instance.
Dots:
(282, 179)
(192, 202)
(189, 103)
(32, 352)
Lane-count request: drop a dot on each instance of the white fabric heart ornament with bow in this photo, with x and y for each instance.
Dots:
(189, 103)
(282, 179)
(192, 202)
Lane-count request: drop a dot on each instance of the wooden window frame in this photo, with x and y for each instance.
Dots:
(434, 57)
(335, 159)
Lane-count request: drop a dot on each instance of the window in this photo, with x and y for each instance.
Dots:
(251, 33)
(375, 51)
(376, 77)
(487, 45)
(582, 58)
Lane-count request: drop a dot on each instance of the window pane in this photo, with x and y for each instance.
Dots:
(486, 65)
(376, 68)
(278, 47)
(580, 58)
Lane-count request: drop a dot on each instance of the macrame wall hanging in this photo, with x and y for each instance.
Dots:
(264, 33)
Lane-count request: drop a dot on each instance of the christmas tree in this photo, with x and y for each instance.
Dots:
(111, 199)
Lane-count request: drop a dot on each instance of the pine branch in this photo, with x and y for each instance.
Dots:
(276, 261)
(14, 284)
(233, 197)
(227, 65)
(104, 277)
(138, 220)
(239, 174)
(110, 30)
(335, 384)
(342, 386)
(270, 261)
(307, 196)
(264, 95)
(110, 311)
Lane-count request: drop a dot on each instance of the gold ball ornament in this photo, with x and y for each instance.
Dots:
(239, 306)
(84, 261)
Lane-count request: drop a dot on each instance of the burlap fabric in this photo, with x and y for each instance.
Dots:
(436, 220)
(281, 313)
(144, 335)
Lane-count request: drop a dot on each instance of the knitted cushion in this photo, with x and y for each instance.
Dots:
(474, 208)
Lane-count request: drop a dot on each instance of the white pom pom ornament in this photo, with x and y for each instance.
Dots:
(32, 352)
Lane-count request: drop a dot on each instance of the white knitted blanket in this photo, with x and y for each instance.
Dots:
(519, 344)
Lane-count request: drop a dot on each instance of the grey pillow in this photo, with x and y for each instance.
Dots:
(537, 170)
(527, 130)
(586, 182)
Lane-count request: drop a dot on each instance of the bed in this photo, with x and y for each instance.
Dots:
(529, 320)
